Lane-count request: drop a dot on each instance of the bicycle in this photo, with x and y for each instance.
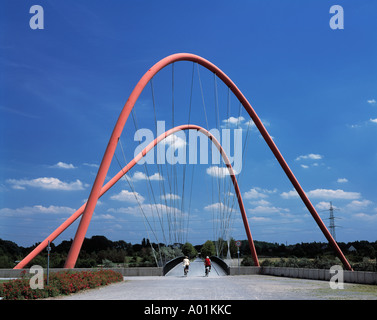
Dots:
(207, 270)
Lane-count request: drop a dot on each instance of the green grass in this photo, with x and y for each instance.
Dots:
(350, 292)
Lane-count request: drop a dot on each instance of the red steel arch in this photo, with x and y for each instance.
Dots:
(128, 167)
(109, 153)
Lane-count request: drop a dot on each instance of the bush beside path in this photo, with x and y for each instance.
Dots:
(60, 283)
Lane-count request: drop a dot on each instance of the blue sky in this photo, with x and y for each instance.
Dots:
(63, 88)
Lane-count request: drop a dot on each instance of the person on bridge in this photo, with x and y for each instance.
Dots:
(186, 264)
(207, 263)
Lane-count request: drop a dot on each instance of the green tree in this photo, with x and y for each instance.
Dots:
(189, 250)
(168, 253)
(5, 262)
(208, 249)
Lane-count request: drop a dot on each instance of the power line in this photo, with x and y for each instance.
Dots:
(332, 224)
(332, 218)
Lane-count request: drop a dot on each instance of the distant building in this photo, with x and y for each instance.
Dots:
(352, 249)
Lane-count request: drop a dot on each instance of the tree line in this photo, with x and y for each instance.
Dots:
(98, 250)
(318, 255)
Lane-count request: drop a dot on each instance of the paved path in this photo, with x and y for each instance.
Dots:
(251, 287)
(196, 270)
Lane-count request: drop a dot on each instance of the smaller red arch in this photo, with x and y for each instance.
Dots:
(128, 167)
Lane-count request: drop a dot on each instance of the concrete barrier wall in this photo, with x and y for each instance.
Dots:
(126, 272)
(235, 271)
(303, 273)
(146, 272)
(361, 277)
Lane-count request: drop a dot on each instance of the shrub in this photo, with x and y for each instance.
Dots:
(247, 261)
(60, 283)
(365, 265)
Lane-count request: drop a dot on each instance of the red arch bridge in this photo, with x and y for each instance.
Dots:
(85, 212)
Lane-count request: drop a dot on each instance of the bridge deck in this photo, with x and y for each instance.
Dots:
(196, 270)
(251, 287)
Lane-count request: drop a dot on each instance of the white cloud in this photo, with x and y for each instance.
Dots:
(372, 101)
(259, 219)
(304, 166)
(234, 121)
(310, 156)
(323, 205)
(342, 180)
(289, 194)
(37, 209)
(373, 120)
(174, 141)
(62, 165)
(47, 183)
(254, 193)
(358, 205)
(260, 203)
(324, 194)
(366, 217)
(127, 196)
(217, 207)
(218, 172)
(252, 124)
(92, 165)
(137, 176)
(170, 196)
(265, 210)
(333, 194)
(104, 217)
(149, 210)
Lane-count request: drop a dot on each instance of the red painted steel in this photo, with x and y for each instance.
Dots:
(128, 167)
(84, 223)
(109, 153)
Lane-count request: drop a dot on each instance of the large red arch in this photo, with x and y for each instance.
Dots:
(128, 167)
(109, 153)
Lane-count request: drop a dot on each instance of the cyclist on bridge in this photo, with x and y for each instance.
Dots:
(207, 265)
(186, 264)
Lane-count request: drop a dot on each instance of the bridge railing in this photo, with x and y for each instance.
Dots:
(171, 264)
(221, 263)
